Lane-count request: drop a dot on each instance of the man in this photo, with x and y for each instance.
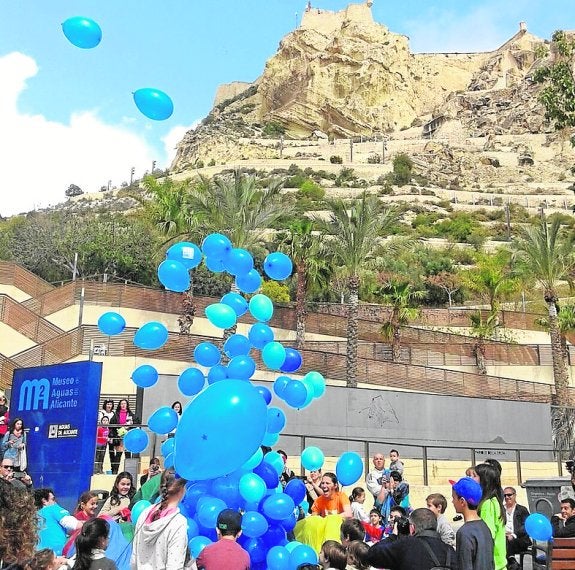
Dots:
(517, 538)
(377, 480)
(23, 481)
(422, 550)
(474, 541)
(563, 523)
(226, 552)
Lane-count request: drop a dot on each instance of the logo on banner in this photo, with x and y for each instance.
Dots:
(44, 394)
(32, 392)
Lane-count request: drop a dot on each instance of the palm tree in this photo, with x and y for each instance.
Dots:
(312, 269)
(566, 323)
(545, 252)
(402, 298)
(353, 232)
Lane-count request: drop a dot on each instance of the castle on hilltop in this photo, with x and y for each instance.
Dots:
(327, 21)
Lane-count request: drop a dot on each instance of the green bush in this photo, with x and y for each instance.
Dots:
(277, 292)
(336, 159)
(212, 162)
(312, 190)
(402, 167)
(273, 129)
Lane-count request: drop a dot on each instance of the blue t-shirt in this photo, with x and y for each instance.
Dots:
(52, 533)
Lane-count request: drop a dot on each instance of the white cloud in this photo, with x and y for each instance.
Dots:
(42, 158)
(175, 135)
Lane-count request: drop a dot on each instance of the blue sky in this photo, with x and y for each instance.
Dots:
(67, 115)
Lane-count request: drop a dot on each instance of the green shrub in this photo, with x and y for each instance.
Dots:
(212, 162)
(273, 129)
(336, 159)
(277, 292)
(312, 190)
(402, 167)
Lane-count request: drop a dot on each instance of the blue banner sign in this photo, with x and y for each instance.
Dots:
(59, 406)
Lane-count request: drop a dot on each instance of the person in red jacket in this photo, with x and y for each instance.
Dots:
(4, 415)
(102, 440)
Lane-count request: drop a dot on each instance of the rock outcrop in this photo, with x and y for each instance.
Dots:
(344, 75)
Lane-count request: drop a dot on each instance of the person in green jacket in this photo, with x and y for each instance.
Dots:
(492, 511)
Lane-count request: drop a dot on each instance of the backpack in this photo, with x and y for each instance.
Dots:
(438, 566)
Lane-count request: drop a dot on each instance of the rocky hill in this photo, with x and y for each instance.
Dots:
(342, 75)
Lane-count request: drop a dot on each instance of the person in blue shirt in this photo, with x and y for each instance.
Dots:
(55, 522)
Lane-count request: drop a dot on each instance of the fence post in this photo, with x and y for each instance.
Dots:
(518, 466)
(366, 456)
(425, 471)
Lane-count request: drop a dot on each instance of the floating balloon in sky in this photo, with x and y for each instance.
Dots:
(151, 336)
(153, 103)
(82, 32)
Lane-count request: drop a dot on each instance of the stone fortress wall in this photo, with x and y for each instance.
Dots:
(328, 22)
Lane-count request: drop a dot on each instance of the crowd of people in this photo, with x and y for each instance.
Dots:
(105, 533)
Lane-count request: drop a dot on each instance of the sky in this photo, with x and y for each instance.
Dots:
(67, 115)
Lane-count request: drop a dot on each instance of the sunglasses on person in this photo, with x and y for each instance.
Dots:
(507, 495)
(8, 467)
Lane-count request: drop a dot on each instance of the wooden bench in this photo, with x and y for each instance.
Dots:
(559, 554)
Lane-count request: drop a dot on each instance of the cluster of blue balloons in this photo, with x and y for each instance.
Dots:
(219, 436)
(85, 33)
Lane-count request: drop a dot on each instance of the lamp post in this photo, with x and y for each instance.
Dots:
(132, 171)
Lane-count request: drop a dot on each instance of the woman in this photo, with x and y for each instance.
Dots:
(177, 407)
(118, 503)
(4, 415)
(492, 511)
(55, 522)
(14, 444)
(123, 416)
(152, 471)
(18, 524)
(91, 544)
(160, 538)
(332, 500)
(107, 411)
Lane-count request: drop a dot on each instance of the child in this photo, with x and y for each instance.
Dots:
(474, 542)
(357, 498)
(374, 529)
(437, 504)
(91, 544)
(118, 503)
(333, 555)
(396, 464)
(356, 553)
(102, 440)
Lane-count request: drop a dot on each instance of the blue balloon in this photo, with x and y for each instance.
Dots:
(193, 529)
(295, 488)
(252, 487)
(289, 523)
(268, 474)
(538, 527)
(265, 392)
(151, 336)
(237, 345)
(191, 381)
(270, 439)
(207, 354)
(278, 558)
(273, 355)
(226, 489)
(349, 468)
(221, 315)
(278, 266)
(261, 307)
(163, 420)
(295, 394)
(197, 544)
(209, 510)
(249, 282)
(227, 419)
(276, 420)
(317, 381)
(260, 335)
(254, 524)
(111, 323)
(255, 548)
(278, 506)
(216, 246)
(275, 536)
(174, 275)
(145, 376)
(275, 460)
(312, 458)
(139, 508)
(136, 440)
(215, 265)
(241, 367)
(217, 373)
(153, 103)
(292, 545)
(187, 253)
(303, 554)
(239, 262)
(82, 32)
(194, 492)
(237, 302)
(168, 446)
(292, 361)
(254, 460)
(280, 385)
(168, 460)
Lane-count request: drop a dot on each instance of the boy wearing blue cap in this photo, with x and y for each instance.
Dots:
(474, 541)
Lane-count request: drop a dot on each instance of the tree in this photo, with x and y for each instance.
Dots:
(353, 231)
(545, 253)
(73, 190)
(312, 269)
(446, 281)
(482, 329)
(402, 298)
(566, 323)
